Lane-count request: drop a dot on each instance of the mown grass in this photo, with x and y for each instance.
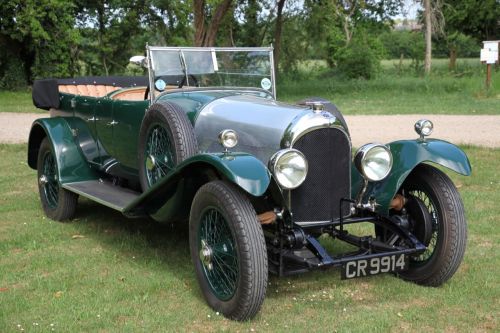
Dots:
(103, 272)
(391, 92)
(17, 101)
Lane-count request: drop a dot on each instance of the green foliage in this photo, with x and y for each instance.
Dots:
(465, 46)
(405, 45)
(12, 74)
(360, 58)
(475, 18)
(293, 46)
(41, 33)
(57, 38)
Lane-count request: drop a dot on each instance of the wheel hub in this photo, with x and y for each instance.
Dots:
(43, 180)
(206, 254)
(150, 162)
(420, 219)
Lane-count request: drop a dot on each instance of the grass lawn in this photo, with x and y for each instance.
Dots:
(103, 272)
(390, 93)
(17, 101)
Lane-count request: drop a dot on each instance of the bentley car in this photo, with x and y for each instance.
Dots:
(266, 187)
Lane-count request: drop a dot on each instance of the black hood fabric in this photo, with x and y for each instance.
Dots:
(46, 92)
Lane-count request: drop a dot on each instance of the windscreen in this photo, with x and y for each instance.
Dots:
(206, 67)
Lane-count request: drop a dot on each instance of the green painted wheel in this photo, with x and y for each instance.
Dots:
(160, 154)
(58, 203)
(218, 254)
(166, 139)
(228, 250)
(48, 180)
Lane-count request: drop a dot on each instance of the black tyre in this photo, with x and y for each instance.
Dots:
(166, 138)
(228, 250)
(328, 106)
(57, 203)
(437, 218)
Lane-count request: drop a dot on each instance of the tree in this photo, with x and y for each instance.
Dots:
(465, 19)
(167, 22)
(434, 24)
(37, 39)
(109, 28)
(207, 19)
(352, 12)
(278, 30)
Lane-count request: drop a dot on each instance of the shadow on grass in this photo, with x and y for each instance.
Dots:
(168, 244)
(154, 246)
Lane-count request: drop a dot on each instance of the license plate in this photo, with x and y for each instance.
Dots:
(382, 264)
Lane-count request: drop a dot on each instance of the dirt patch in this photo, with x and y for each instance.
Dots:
(480, 130)
(474, 130)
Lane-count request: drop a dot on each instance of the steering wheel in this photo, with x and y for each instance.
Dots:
(192, 78)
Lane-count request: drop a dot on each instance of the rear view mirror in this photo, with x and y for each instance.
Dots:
(138, 60)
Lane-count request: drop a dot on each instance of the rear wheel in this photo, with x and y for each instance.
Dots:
(57, 203)
(228, 250)
(437, 219)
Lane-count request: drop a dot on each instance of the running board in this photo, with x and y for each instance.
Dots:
(104, 192)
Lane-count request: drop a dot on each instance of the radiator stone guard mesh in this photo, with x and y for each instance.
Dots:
(328, 152)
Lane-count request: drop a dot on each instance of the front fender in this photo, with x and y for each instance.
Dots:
(173, 192)
(72, 165)
(407, 154)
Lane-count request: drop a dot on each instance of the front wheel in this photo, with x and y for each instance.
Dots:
(228, 250)
(437, 219)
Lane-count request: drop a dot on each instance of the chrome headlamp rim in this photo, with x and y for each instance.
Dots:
(275, 159)
(225, 137)
(361, 155)
(424, 127)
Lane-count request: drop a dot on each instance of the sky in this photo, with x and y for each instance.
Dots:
(411, 8)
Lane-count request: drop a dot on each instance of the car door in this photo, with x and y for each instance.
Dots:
(127, 116)
(104, 128)
(84, 124)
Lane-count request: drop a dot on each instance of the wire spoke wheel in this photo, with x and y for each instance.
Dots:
(48, 180)
(431, 210)
(228, 250)
(436, 217)
(218, 254)
(159, 154)
(58, 203)
(166, 138)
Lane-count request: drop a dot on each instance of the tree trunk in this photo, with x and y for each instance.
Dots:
(453, 58)
(400, 66)
(428, 37)
(199, 22)
(213, 28)
(277, 32)
(205, 35)
(100, 35)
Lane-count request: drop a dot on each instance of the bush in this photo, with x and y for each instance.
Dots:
(405, 44)
(360, 58)
(12, 75)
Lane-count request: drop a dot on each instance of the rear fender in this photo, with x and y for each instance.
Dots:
(407, 154)
(175, 192)
(72, 165)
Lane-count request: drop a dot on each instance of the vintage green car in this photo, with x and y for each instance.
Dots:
(262, 183)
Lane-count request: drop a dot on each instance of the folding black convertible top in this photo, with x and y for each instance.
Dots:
(46, 92)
